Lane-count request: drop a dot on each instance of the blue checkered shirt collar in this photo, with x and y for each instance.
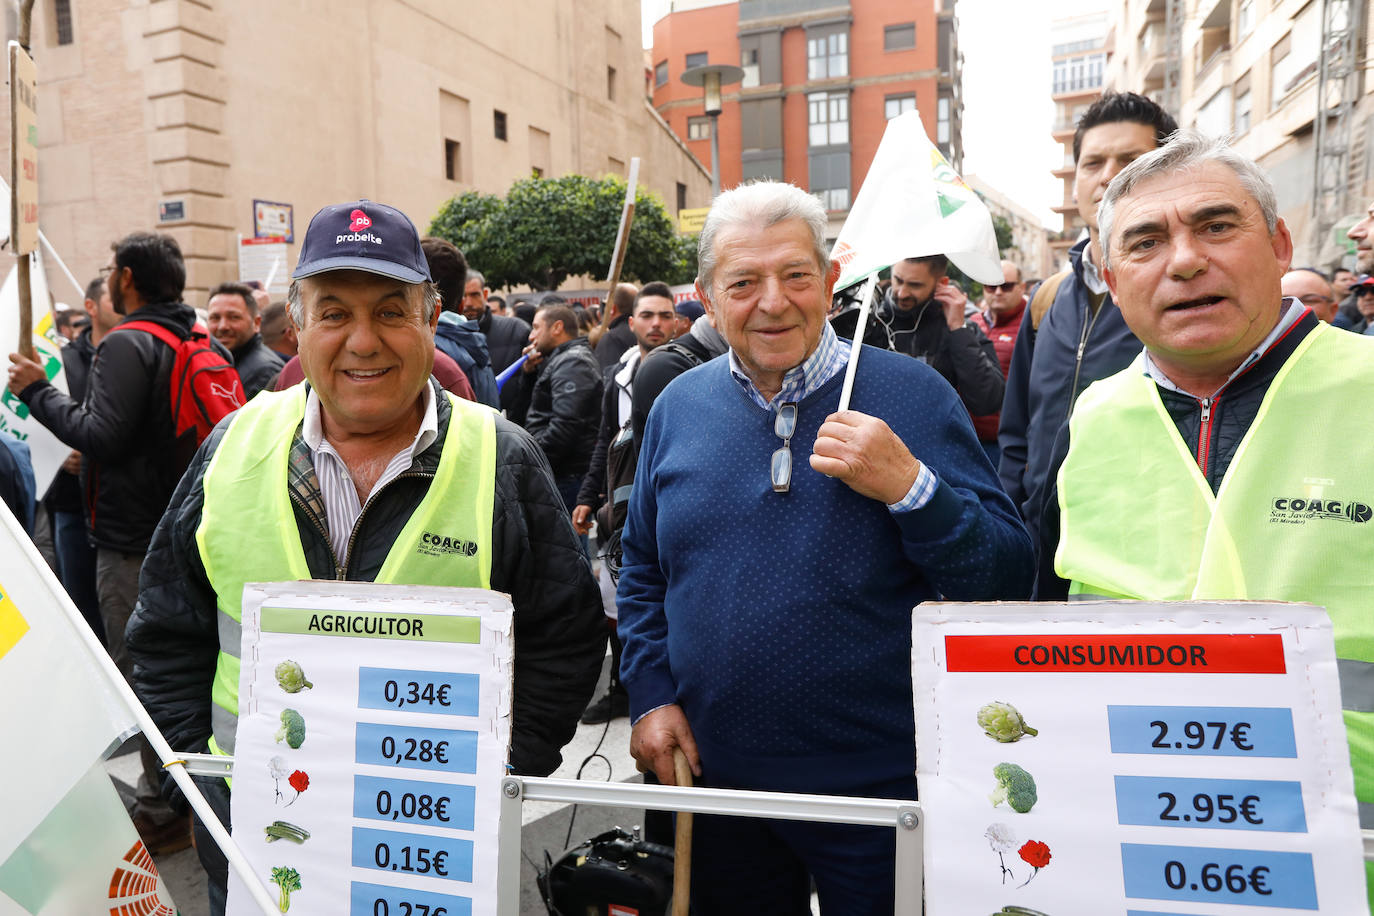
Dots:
(824, 363)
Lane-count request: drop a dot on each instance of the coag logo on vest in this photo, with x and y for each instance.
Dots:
(1297, 510)
(357, 222)
(438, 545)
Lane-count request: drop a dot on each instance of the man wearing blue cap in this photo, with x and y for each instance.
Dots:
(364, 462)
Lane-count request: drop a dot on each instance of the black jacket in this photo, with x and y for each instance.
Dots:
(593, 490)
(965, 356)
(132, 458)
(506, 337)
(1228, 417)
(565, 407)
(64, 493)
(256, 365)
(1073, 348)
(702, 344)
(560, 632)
(613, 344)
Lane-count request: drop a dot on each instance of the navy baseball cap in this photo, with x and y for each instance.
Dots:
(689, 308)
(363, 235)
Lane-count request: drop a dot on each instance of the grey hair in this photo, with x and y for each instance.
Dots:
(476, 275)
(429, 294)
(763, 204)
(1186, 149)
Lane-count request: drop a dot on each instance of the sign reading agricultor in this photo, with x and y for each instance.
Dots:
(374, 723)
(1134, 758)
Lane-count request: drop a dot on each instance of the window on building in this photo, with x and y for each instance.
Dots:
(942, 122)
(536, 171)
(499, 124)
(697, 59)
(827, 53)
(453, 160)
(749, 63)
(1245, 18)
(661, 73)
(828, 118)
(699, 128)
(62, 19)
(1294, 56)
(829, 178)
(1214, 117)
(894, 105)
(901, 37)
(681, 196)
(1077, 74)
(1241, 104)
(610, 83)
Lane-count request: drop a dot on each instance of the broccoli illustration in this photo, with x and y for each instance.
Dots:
(1003, 722)
(292, 729)
(292, 677)
(1015, 786)
(288, 879)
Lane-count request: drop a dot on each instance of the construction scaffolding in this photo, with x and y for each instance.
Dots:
(1338, 88)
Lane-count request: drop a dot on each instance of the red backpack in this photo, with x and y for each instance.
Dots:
(204, 387)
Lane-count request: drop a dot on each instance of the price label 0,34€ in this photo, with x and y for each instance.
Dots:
(1066, 765)
(372, 738)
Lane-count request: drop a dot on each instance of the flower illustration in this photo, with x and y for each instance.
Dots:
(300, 782)
(1002, 841)
(1035, 854)
(276, 767)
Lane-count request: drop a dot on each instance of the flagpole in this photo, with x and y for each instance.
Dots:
(174, 766)
(854, 348)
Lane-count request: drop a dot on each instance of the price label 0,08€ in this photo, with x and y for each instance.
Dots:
(407, 801)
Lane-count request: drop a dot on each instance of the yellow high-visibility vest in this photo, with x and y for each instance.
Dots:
(1291, 520)
(248, 530)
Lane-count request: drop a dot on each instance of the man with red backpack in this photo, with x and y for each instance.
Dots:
(135, 444)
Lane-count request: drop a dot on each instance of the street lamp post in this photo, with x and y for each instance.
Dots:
(710, 77)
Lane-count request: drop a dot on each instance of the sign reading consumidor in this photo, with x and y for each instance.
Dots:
(1134, 758)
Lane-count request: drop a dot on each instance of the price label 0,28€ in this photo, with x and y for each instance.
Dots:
(1138, 759)
(372, 737)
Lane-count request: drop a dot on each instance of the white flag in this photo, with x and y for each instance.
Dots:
(45, 450)
(65, 831)
(911, 204)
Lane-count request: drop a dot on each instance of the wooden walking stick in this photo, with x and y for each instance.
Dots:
(682, 842)
(23, 172)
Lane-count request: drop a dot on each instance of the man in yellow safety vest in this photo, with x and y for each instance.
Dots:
(1241, 414)
(370, 472)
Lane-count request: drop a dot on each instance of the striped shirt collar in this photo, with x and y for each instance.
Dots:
(824, 363)
(342, 506)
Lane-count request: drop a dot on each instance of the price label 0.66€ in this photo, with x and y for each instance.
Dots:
(1065, 765)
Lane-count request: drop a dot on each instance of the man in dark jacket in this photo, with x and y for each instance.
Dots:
(612, 337)
(565, 402)
(506, 336)
(1082, 337)
(235, 322)
(365, 442)
(133, 457)
(924, 317)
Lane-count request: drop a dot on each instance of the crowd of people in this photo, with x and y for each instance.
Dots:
(757, 550)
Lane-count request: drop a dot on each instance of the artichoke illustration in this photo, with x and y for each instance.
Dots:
(1002, 722)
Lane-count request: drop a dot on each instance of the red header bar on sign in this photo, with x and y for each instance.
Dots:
(1247, 653)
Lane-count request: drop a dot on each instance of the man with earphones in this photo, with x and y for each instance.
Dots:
(927, 316)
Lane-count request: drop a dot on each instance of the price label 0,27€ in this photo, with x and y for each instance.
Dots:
(372, 738)
(1137, 759)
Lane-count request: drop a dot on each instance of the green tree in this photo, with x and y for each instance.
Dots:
(548, 229)
(1002, 229)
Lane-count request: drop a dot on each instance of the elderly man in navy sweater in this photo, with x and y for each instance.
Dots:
(772, 555)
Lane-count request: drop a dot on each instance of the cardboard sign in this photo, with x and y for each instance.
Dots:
(1133, 757)
(374, 724)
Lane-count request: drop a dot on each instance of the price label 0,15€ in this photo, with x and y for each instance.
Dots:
(1066, 766)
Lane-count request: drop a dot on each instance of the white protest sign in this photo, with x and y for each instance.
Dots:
(45, 450)
(374, 725)
(1134, 757)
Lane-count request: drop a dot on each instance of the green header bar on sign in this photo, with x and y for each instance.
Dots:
(372, 625)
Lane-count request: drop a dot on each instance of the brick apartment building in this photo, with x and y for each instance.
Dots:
(821, 79)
